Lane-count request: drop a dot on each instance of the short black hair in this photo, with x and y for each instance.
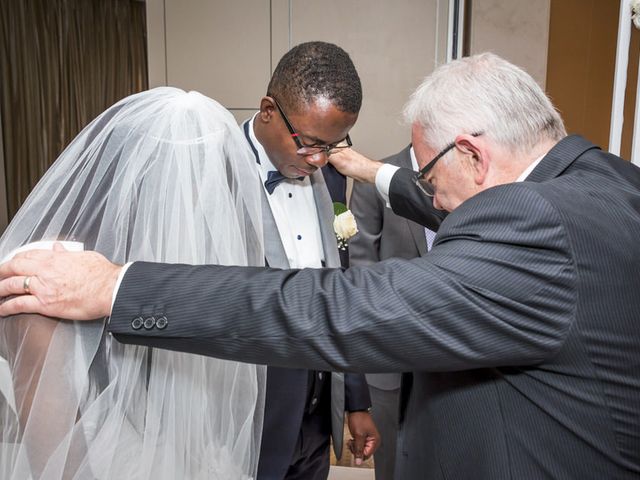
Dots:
(315, 69)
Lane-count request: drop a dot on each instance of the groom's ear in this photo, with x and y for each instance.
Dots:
(267, 109)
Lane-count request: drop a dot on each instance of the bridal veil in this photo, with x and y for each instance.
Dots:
(165, 176)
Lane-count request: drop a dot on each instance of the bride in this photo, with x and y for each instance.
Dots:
(163, 175)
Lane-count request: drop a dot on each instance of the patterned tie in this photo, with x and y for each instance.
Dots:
(429, 235)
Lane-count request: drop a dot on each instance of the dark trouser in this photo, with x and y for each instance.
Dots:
(385, 404)
(310, 460)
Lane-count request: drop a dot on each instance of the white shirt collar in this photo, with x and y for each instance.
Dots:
(414, 160)
(523, 176)
(265, 163)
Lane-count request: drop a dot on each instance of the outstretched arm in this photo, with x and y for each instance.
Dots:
(488, 294)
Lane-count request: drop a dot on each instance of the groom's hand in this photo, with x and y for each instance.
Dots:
(366, 438)
(59, 284)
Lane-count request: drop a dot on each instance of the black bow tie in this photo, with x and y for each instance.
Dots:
(274, 178)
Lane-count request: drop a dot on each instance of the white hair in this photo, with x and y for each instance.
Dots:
(484, 94)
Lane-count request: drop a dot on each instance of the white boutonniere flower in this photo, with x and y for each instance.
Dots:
(635, 12)
(344, 224)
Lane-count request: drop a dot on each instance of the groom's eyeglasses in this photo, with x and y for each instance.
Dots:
(309, 150)
(420, 177)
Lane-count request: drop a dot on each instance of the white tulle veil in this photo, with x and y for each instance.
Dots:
(163, 175)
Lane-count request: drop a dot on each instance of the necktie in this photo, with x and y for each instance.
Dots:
(273, 180)
(430, 235)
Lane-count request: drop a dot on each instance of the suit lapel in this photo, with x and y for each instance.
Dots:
(563, 154)
(274, 252)
(417, 232)
(324, 206)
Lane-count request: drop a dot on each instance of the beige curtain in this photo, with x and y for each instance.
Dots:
(62, 62)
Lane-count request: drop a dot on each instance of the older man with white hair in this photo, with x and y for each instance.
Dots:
(520, 325)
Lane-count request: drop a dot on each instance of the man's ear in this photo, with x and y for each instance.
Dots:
(267, 109)
(474, 147)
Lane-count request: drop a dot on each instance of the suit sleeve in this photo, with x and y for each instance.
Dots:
(356, 392)
(497, 289)
(409, 202)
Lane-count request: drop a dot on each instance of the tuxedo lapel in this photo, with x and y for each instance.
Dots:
(324, 206)
(274, 252)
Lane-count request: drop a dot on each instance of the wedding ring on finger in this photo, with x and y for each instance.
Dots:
(25, 285)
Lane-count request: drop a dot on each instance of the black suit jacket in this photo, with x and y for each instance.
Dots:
(521, 325)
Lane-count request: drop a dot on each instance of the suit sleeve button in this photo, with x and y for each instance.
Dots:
(136, 323)
(149, 323)
(162, 322)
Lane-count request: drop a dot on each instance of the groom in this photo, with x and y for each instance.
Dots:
(312, 101)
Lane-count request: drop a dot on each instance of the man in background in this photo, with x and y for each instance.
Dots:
(381, 235)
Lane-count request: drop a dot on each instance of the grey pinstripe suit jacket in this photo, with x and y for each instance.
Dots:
(521, 325)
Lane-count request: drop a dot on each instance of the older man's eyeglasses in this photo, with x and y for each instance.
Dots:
(420, 177)
(315, 149)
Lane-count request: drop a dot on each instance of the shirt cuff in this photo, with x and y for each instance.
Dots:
(368, 410)
(383, 181)
(123, 270)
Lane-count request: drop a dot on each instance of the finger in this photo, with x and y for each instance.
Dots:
(9, 269)
(340, 159)
(24, 263)
(350, 445)
(370, 447)
(15, 285)
(19, 304)
(358, 448)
